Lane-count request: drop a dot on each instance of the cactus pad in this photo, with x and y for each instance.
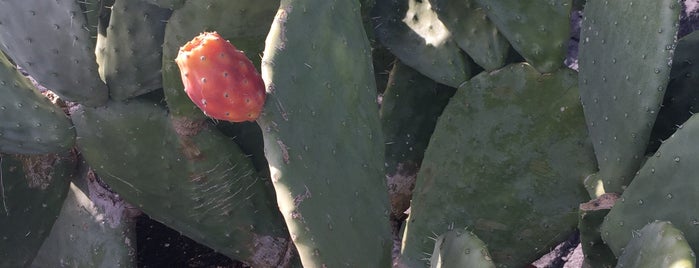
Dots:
(29, 122)
(622, 81)
(32, 189)
(414, 33)
(661, 190)
(323, 136)
(186, 175)
(130, 52)
(538, 29)
(506, 159)
(460, 248)
(658, 244)
(51, 40)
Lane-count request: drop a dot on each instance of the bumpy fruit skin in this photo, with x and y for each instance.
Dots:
(220, 80)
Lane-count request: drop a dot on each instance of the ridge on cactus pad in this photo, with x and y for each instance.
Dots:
(220, 79)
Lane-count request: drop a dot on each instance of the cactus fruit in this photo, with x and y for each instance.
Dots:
(29, 122)
(506, 160)
(661, 190)
(658, 244)
(323, 136)
(414, 33)
(243, 22)
(220, 80)
(32, 189)
(621, 103)
(54, 46)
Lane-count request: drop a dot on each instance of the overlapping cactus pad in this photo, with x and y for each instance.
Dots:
(506, 160)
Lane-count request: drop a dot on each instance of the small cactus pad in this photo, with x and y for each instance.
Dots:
(662, 190)
(658, 244)
(414, 33)
(506, 160)
(473, 31)
(51, 41)
(29, 122)
(323, 135)
(460, 248)
(626, 51)
(597, 253)
(538, 29)
(130, 52)
(32, 189)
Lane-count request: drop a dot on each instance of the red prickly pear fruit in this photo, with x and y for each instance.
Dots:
(220, 79)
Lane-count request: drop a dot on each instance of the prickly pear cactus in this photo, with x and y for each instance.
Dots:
(29, 122)
(51, 40)
(32, 189)
(323, 136)
(658, 244)
(622, 82)
(411, 30)
(666, 183)
(184, 174)
(506, 160)
(460, 248)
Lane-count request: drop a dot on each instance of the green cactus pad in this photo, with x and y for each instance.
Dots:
(658, 244)
(95, 229)
(460, 248)
(32, 189)
(51, 41)
(625, 54)
(248, 136)
(171, 4)
(29, 122)
(597, 253)
(130, 53)
(663, 188)
(186, 175)
(681, 97)
(411, 105)
(538, 29)
(323, 136)
(412, 32)
(506, 159)
(244, 23)
(473, 32)
(92, 10)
